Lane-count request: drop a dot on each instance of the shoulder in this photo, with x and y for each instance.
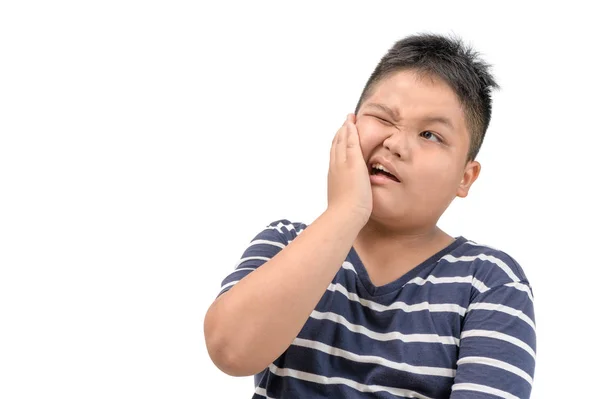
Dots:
(286, 226)
(489, 265)
(282, 230)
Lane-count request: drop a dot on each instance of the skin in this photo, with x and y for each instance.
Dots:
(431, 159)
(254, 322)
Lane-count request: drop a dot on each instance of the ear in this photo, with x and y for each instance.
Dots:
(470, 174)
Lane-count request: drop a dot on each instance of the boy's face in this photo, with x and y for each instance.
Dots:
(426, 143)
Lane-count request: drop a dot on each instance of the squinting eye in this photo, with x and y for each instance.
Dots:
(382, 120)
(427, 134)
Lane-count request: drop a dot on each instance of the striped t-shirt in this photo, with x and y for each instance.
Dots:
(459, 325)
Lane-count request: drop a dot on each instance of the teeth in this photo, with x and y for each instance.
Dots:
(381, 167)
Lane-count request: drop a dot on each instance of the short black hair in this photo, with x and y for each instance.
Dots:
(448, 58)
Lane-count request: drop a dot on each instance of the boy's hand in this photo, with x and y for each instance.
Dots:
(348, 183)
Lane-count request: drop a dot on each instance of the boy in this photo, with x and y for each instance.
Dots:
(372, 299)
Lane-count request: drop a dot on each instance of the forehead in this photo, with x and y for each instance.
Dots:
(416, 96)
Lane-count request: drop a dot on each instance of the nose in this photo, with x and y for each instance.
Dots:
(397, 142)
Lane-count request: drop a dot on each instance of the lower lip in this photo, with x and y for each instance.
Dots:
(381, 179)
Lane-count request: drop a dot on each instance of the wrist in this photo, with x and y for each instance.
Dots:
(348, 219)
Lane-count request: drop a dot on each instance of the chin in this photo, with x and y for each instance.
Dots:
(388, 212)
(384, 203)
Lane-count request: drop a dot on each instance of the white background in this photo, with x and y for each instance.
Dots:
(144, 144)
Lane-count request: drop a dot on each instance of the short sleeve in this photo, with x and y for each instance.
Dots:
(264, 246)
(497, 345)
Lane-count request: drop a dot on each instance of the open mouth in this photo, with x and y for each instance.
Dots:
(380, 170)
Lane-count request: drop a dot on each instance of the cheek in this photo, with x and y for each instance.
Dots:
(438, 171)
(434, 166)
(369, 139)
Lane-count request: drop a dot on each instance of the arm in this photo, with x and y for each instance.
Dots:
(258, 318)
(253, 323)
(498, 344)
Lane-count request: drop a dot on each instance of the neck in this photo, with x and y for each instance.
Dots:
(388, 241)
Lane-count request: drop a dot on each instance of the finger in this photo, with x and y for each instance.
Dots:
(354, 149)
(333, 149)
(355, 152)
(341, 150)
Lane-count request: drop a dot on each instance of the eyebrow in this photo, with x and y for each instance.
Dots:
(395, 115)
(439, 119)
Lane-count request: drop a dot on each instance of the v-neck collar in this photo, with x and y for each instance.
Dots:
(374, 290)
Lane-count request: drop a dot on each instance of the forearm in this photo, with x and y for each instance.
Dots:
(255, 322)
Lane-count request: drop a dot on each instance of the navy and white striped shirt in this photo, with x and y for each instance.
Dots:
(459, 325)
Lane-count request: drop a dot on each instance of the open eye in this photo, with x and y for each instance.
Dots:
(429, 135)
